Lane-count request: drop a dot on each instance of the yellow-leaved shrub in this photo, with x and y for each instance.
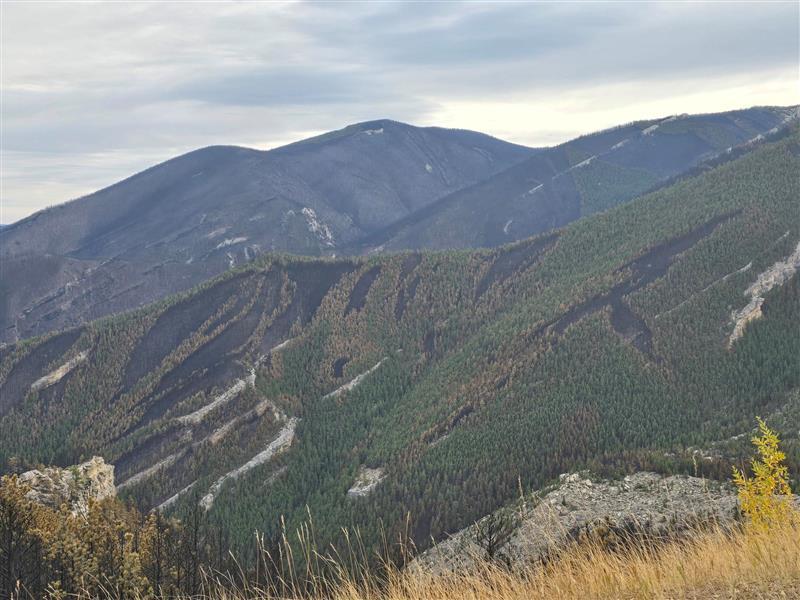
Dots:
(765, 497)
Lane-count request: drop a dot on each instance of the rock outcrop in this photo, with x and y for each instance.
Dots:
(776, 275)
(366, 481)
(74, 486)
(580, 507)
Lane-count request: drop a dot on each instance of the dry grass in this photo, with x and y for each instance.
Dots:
(717, 564)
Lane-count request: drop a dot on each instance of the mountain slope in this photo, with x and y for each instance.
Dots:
(180, 222)
(575, 179)
(424, 389)
(371, 186)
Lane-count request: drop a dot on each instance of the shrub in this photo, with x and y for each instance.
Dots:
(765, 498)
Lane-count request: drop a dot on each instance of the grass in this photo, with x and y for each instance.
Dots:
(743, 563)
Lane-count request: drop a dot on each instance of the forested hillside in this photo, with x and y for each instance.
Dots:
(177, 224)
(578, 178)
(370, 187)
(439, 383)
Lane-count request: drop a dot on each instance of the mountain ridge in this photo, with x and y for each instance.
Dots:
(370, 187)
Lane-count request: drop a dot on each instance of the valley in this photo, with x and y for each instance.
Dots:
(422, 389)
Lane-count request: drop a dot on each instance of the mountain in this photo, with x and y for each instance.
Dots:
(380, 185)
(418, 391)
(340, 189)
(180, 222)
(576, 179)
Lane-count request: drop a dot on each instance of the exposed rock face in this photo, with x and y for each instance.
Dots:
(775, 276)
(280, 444)
(75, 485)
(58, 374)
(579, 507)
(366, 481)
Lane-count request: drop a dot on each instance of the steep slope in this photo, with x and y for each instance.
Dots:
(372, 186)
(436, 384)
(578, 178)
(178, 223)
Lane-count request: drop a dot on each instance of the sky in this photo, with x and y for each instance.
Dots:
(94, 92)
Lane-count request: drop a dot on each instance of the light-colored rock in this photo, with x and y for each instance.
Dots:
(577, 507)
(366, 482)
(355, 381)
(317, 227)
(774, 276)
(280, 444)
(59, 373)
(75, 486)
(151, 470)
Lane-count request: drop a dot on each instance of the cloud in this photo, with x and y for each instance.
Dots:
(93, 91)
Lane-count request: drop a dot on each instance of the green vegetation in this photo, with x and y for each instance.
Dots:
(604, 347)
(110, 550)
(603, 185)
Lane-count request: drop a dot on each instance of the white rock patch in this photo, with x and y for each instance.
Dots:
(142, 475)
(259, 410)
(317, 227)
(195, 417)
(282, 345)
(776, 275)
(354, 382)
(584, 163)
(281, 442)
(174, 498)
(216, 232)
(59, 373)
(230, 242)
(366, 482)
(533, 190)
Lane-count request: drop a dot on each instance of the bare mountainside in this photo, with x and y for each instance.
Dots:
(375, 186)
(421, 390)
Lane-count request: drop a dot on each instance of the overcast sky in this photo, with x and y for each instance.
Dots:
(92, 93)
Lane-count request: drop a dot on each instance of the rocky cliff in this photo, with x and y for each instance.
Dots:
(581, 506)
(75, 485)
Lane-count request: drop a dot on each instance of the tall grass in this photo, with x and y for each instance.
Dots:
(721, 563)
